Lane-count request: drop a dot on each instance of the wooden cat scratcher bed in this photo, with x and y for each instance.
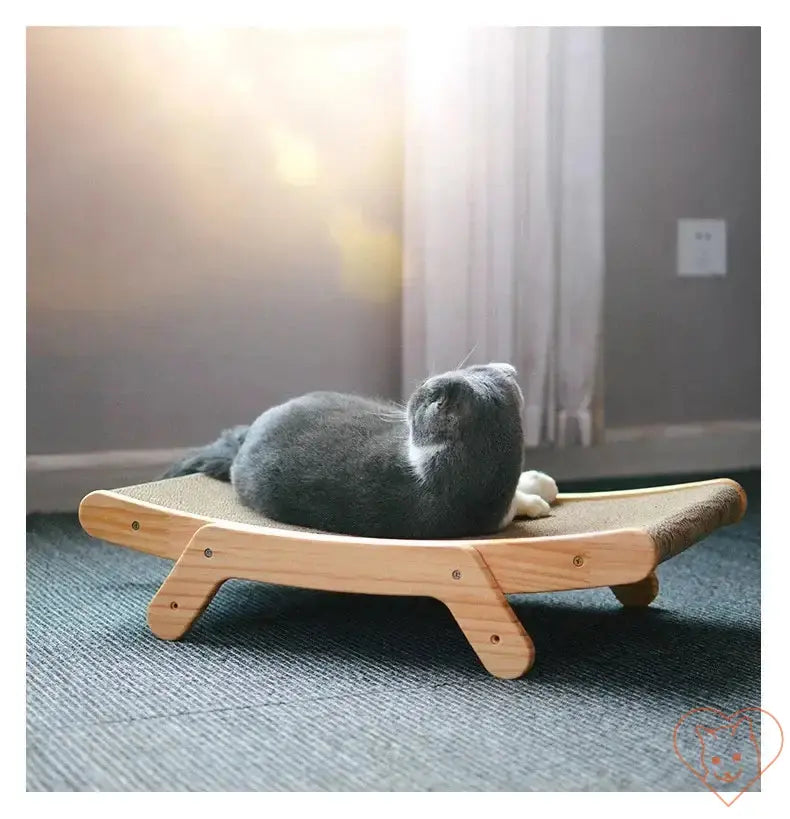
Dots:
(613, 539)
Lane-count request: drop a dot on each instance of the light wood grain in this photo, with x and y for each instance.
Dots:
(142, 526)
(519, 564)
(456, 575)
(638, 595)
(570, 561)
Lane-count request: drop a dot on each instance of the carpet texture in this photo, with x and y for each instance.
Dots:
(287, 689)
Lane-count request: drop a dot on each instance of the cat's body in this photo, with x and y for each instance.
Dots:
(447, 466)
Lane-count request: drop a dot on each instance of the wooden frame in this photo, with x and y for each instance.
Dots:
(471, 577)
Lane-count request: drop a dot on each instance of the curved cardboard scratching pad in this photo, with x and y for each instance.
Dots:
(611, 539)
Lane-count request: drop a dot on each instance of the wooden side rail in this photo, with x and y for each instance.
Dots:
(125, 521)
(455, 574)
(543, 564)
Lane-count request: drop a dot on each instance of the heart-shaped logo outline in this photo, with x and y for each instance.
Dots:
(728, 719)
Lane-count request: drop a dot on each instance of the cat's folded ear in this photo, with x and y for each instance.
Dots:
(509, 369)
(449, 394)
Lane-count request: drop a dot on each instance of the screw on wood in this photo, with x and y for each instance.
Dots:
(208, 553)
(578, 560)
(135, 525)
(456, 574)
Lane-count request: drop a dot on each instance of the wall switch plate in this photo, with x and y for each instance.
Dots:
(702, 247)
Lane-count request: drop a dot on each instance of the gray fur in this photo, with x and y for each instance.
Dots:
(341, 463)
(215, 459)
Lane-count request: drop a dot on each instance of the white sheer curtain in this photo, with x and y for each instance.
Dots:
(503, 228)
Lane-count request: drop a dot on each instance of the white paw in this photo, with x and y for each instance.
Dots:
(529, 505)
(538, 483)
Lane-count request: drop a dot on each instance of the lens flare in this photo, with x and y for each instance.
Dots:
(370, 255)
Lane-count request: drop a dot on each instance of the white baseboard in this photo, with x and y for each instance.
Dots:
(662, 449)
(57, 483)
(664, 431)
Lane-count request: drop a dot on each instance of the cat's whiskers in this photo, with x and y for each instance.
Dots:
(396, 414)
(467, 357)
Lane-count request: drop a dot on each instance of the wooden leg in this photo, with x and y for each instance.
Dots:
(490, 624)
(187, 590)
(458, 576)
(639, 594)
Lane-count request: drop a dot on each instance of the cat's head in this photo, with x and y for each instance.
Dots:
(481, 400)
(728, 751)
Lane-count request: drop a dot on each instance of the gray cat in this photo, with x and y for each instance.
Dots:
(449, 465)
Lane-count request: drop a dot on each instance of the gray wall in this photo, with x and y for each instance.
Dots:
(190, 260)
(186, 268)
(682, 139)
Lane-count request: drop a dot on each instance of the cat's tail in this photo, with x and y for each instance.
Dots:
(213, 460)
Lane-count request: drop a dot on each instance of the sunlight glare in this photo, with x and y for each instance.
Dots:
(370, 255)
(296, 159)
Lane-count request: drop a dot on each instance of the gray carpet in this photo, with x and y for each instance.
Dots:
(287, 689)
